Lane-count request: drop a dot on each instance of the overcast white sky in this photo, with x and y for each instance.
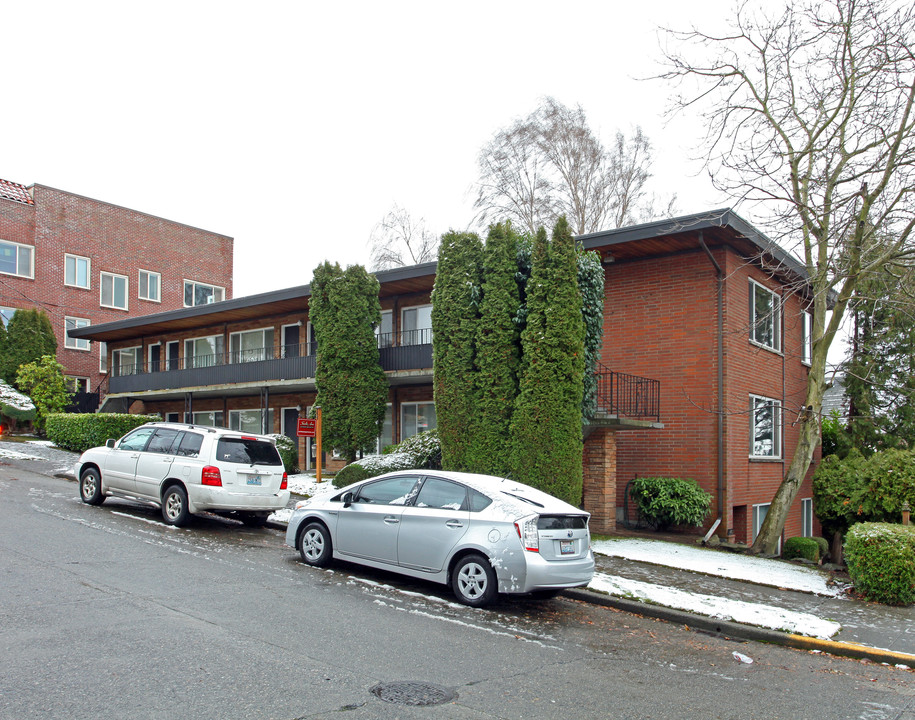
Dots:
(295, 126)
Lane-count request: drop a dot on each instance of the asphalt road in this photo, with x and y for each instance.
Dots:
(105, 612)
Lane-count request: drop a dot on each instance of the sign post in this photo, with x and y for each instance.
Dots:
(311, 427)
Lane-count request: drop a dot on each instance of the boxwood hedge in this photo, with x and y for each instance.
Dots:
(80, 431)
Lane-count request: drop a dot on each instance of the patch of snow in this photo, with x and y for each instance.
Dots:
(762, 571)
(736, 610)
(281, 516)
(13, 455)
(43, 443)
(15, 399)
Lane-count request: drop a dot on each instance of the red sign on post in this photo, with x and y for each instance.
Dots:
(306, 427)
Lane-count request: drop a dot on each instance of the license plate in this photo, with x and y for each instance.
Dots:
(566, 547)
(254, 480)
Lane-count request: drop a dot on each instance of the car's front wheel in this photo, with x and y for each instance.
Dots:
(315, 545)
(90, 487)
(474, 581)
(174, 506)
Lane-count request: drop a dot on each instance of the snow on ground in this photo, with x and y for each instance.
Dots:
(305, 485)
(762, 571)
(14, 455)
(756, 614)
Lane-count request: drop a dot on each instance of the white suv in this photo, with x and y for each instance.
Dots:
(185, 469)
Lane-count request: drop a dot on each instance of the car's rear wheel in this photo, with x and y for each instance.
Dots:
(90, 487)
(174, 506)
(474, 581)
(315, 545)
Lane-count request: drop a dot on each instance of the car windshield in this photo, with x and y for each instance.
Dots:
(247, 451)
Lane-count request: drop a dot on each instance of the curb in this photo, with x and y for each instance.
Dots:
(730, 629)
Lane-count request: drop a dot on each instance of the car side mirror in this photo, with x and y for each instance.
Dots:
(347, 499)
(109, 443)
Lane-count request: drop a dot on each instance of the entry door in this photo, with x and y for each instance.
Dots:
(173, 355)
(291, 424)
(155, 357)
(290, 341)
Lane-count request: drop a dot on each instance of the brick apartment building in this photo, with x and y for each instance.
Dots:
(86, 262)
(706, 340)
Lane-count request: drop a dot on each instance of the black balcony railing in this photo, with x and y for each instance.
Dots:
(627, 395)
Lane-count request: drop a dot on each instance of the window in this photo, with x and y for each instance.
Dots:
(442, 495)
(312, 342)
(71, 323)
(759, 514)
(76, 384)
(385, 331)
(390, 491)
(251, 421)
(208, 419)
(102, 356)
(417, 325)
(765, 427)
(291, 340)
(416, 418)
(765, 317)
(204, 352)
(172, 417)
(807, 339)
(126, 361)
(251, 346)
(114, 291)
(6, 314)
(196, 293)
(137, 439)
(172, 361)
(190, 444)
(150, 286)
(162, 441)
(387, 429)
(16, 259)
(76, 271)
(807, 517)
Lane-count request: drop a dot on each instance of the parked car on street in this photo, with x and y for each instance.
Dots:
(481, 535)
(186, 469)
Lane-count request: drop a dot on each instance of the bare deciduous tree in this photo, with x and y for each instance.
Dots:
(811, 113)
(551, 163)
(398, 241)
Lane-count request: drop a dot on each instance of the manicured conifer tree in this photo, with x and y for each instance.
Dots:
(29, 336)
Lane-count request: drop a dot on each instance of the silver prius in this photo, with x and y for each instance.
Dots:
(482, 535)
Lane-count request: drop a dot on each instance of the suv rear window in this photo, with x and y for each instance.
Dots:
(247, 452)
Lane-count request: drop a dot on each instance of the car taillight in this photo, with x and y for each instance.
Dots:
(527, 531)
(285, 483)
(210, 476)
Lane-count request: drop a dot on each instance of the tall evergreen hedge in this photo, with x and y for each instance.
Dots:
(546, 425)
(454, 322)
(352, 390)
(29, 336)
(497, 356)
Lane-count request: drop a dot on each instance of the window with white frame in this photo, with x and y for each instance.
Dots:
(76, 384)
(6, 314)
(71, 323)
(76, 271)
(765, 427)
(102, 356)
(251, 345)
(150, 286)
(251, 421)
(765, 317)
(759, 514)
(196, 293)
(416, 417)
(126, 361)
(204, 352)
(807, 517)
(16, 259)
(387, 429)
(807, 338)
(385, 331)
(114, 291)
(416, 323)
(208, 419)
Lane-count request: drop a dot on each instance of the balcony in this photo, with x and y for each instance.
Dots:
(624, 399)
(398, 352)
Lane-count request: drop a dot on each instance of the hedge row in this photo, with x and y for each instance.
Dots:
(881, 562)
(80, 431)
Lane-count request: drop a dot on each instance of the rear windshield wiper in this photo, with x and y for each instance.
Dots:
(523, 499)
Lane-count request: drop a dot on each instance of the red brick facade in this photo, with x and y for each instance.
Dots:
(115, 240)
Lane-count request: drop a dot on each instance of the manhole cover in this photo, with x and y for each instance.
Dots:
(413, 693)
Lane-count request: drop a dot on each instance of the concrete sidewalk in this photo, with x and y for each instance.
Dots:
(869, 630)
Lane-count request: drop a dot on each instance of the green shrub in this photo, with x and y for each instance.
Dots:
(665, 502)
(80, 431)
(824, 546)
(858, 489)
(288, 451)
(801, 547)
(881, 562)
(422, 450)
